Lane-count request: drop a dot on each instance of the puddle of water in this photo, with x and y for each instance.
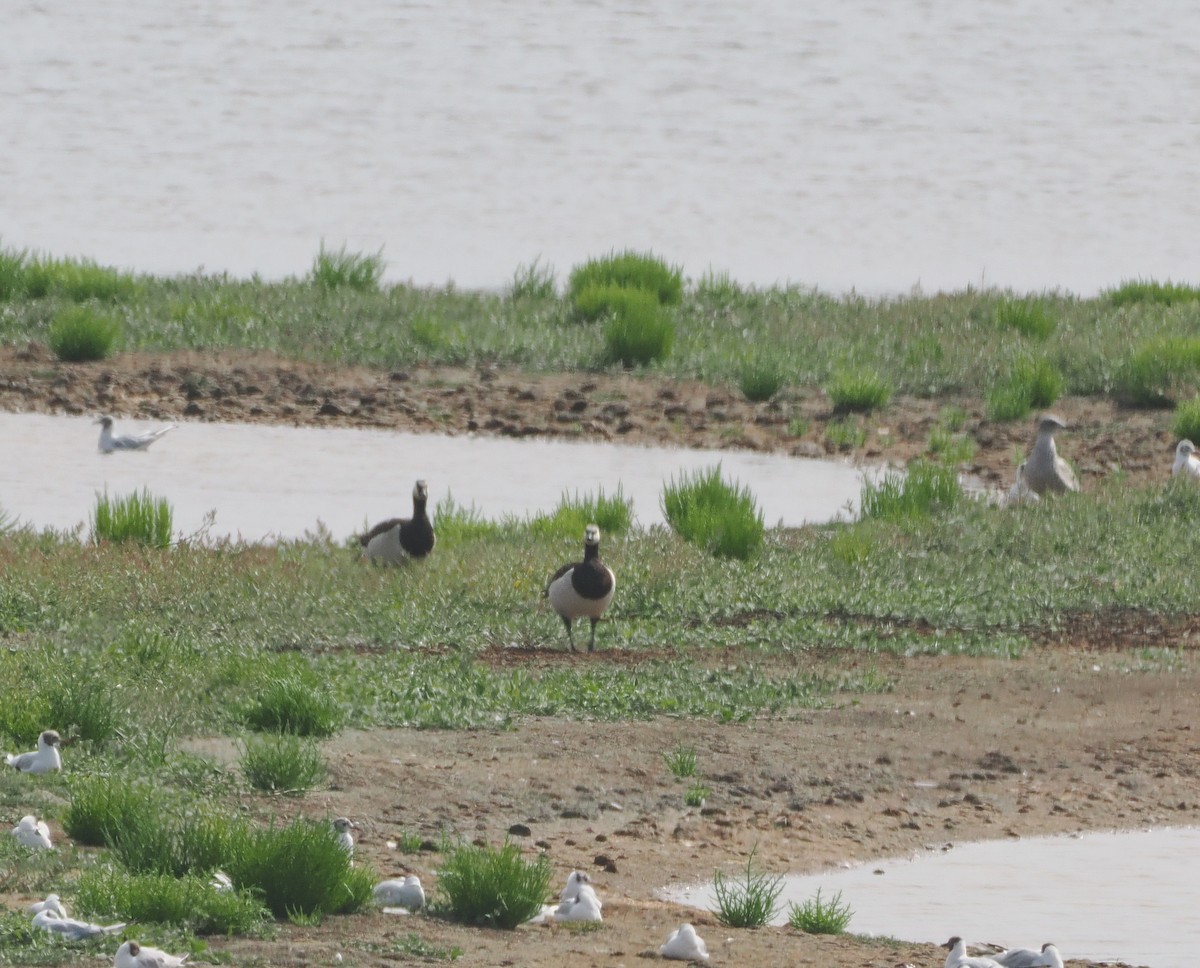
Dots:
(271, 481)
(1127, 895)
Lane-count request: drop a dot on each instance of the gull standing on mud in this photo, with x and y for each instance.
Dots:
(134, 955)
(1186, 461)
(582, 589)
(1045, 470)
(398, 539)
(34, 834)
(109, 443)
(44, 759)
(342, 827)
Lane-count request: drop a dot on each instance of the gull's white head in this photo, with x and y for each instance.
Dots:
(591, 536)
(49, 738)
(105, 422)
(344, 825)
(1185, 449)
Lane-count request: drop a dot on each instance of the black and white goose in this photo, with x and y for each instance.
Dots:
(396, 539)
(582, 589)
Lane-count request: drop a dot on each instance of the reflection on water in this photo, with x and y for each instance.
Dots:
(1128, 896)
(281, 481)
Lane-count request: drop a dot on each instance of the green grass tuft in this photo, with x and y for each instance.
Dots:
(639, 333)
(1185, 424)
(293, 704)
(189, 902)
(347, 270)
(723, 518)
(630, 270)
(1030, 384)
(140, 518)
(492, 886)
(282, 763)
(613, 515)
(80, 334)
(681, 761)
(924, 490)
(533, 282)
(761, 377)
(819, 916)
(103, 804)
(858, 392)
(1029, 318)
(750, 902)
(696, 794)
(1156, 372)
(1145, 290)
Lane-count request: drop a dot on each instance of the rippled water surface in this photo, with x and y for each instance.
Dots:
(1125, 896)
(866, 144)
(281, 481)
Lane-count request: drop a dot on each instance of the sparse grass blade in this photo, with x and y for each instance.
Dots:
(819, 916)
(681, 761)
(491, 886)
(533, 282)
(137, 517)
(80, 334)
(749, 902)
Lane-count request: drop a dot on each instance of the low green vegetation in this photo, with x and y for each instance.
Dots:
(493, 886)
(639, 332)
(819, 915)
(613, 514)
(1148, 291)
(858, 391)
(533, 283)
(1028, 317)
(292, 702)
(282, 763)
(1185, 424)
(923, 490)
(1157, 371)
(1031, 383)
(681, 761)
(628, 270)
(761, 378)
(347, 270)
(139, 518)
(705, 510)
(696, 794)
(748, 901)
(80, 334)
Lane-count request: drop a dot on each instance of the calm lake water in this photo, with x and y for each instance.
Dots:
(862, 144)
(269, 481)
(1128, 896)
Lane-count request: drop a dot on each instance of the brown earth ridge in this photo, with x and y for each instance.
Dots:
(1085, 732)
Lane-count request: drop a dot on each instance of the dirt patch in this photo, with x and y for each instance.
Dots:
(259, 388)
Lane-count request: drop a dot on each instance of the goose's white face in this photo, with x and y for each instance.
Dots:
(591, 535)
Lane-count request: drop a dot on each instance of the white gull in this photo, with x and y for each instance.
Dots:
(109, 443)
(42, 760)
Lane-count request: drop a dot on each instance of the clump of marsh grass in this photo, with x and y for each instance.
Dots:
(923, 490)
(84, 706)
(845, 433)
(492, 886)
(80, 334)
(748, 902)
(78, 280)
(1185, 424)
(456, 524)
(858, 391)
(533, 282)
(760, 378)
(629, 270)
(12, 273)
(704, 510)
(299, 869)
(951, 447)
(681, 761)
(1029, 318)
(282, 763)
(159, 841)
(1155, 372)
(696, 794)
(719, 287)
(613, 514)
(639, 332)
(291, 704)
(190, 902)
(137, 517)
(347, 270)
(102, 804)
(1030, 384)
(1146, 290)
(819, 916)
